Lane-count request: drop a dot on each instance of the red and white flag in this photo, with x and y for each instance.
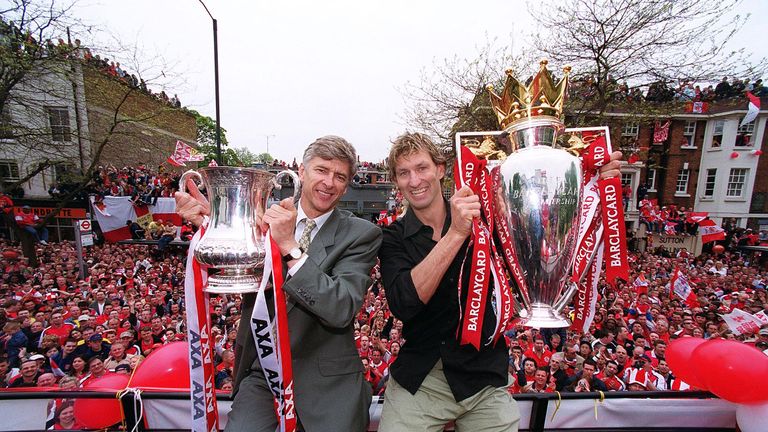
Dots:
(741, 322)
(679, 285)
(641, 284)
(386, 219)
(695, 217)
(762, 317)
(184, 153)
(710, 231)
(115, 211)
(661, 131)
(669, 228)
(753, 108)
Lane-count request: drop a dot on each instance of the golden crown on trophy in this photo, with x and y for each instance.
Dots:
(542, 97)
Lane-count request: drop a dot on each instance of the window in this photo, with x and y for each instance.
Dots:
(626, 178)
(744, 135)
(59, 121)
(689, 131)
(9, 170)
(717, 134)
(630, 130)
(651, 180)
(63, 171)
(682, 182)
(736, 181)
(709, 183)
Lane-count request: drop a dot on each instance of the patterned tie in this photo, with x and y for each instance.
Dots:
(306, 235)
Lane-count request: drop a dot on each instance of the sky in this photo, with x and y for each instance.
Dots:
(291, 71)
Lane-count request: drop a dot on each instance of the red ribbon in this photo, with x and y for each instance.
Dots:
(615, 236)
(485, 258)
(287, 411)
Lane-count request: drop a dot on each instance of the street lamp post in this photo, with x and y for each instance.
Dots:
(216, 81)
(268, 137)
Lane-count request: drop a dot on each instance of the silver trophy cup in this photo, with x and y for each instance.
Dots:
(233, 243)
(539, 200)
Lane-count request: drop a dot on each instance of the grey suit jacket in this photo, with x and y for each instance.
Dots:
(326, 293)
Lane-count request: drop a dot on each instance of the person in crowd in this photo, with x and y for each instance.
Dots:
(64, 417)
(29, 372)
(96, 369)
(137, 232)
(541, 382)
(29, 222)
(14, 341)
(58, 328)
(586, 381)
(610, 376)
(79, 368)
(117, 356)
(328, 274)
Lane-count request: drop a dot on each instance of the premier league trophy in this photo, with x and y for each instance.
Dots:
(233, 242)
(537, 195)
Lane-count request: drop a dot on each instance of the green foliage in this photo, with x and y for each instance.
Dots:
(265, 158)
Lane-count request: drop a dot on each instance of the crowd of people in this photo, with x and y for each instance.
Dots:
(14, 38)
(663, 91)
(55, 322)
(62, 330)
(140, 183)
(624, 348)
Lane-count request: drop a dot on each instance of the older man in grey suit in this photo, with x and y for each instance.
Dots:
(325, 285)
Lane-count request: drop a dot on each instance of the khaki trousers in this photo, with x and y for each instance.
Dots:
(433, 406)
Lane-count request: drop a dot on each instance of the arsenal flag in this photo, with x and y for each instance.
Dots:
(661, 132)
(753, 108)
(710, 231)
(696, 217)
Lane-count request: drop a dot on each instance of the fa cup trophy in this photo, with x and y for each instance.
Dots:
(537, 195)
(233, 243)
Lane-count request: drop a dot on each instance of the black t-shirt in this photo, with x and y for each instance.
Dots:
(430, 329)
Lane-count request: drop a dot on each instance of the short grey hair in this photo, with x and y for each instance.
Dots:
(332, 147)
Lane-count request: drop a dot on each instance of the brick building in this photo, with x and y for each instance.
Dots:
(707, 161)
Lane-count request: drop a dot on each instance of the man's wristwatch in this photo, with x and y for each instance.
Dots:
(293, 254)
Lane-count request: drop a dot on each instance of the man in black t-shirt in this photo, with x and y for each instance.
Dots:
(421, 262)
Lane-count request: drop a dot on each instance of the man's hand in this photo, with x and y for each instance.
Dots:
(192, 206)
(281, 219)
(612, 168)
(465, 206)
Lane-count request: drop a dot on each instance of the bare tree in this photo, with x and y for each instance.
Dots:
(115, 119)
(637, 43)
(451, 95)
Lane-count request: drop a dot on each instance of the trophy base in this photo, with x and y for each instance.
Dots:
(543, 316)
(233, 283)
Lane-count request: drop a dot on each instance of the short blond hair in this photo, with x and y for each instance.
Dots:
(409, 143)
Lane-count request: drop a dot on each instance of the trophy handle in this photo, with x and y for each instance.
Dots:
(296, 183)
(187, 175)
(566, 297)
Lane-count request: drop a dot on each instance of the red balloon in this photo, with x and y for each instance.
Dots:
(718, 249)
(732, 370)
(101, 413)
(10, 254)
(165, 368)
(679, 356)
